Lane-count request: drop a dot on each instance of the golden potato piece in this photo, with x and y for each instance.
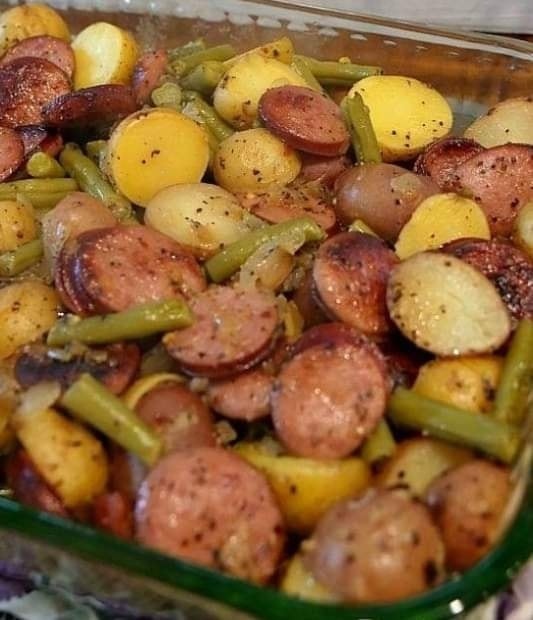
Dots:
(154, 149)
(523, 229)
(439, 219)
(406, 114)
(105, 54)
(27, 311)
(446, 306)
(30, 20)
(306, 488)
(299, 582)
(468, 383)
(17, 225)
(508, 121)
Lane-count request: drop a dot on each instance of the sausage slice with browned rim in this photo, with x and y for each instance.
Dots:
(55, 50)
(11, 152)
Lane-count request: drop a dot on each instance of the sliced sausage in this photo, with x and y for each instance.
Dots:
(29, 487)
(403, 360)
(11, 152)
(325, 170)
(147, 74)
(210, 507)
(113, 513)
(329, 398)
(507, 267)
(124, 266)
(50, 48)
(115, 366)
(384, 196)
(305, 119)
(26, 85)
(97, 105)
(330, 335)
(72, 296)
(234, 330)
(467, 504)
(500, 180)
(304, 298)
(290, 203)
(73, 215)
(380, 548)
(179, 416)
(245, 397)
(350, 275)
(441, 159)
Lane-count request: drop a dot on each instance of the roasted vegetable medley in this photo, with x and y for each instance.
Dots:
(262, 312)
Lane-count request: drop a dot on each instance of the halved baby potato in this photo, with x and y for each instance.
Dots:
(508, 121)
(154, 149)
(446, 306)
(281, 49)
(406, 114)
(105, 54)
(439, 219)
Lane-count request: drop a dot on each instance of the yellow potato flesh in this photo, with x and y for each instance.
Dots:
(17, 225)
(299, 582)
(523, 229)
(54, 24)
(439, 219)
(406, 114)
(306, 488)
(468, 383)
(27, 311)
(30, 20)
(152, 150)
(509, 121)
(105, 54)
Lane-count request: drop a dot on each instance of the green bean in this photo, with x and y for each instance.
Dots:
(41, 166)
(364, 139)
(167, 95)
(25, 256)
(192, 47)
(187, 63)
(302, 68)
(88, 400)
(230, 259)
(516, 382)
(42, 202)
(204, 78)
(379, 445)
(41, 193)
(96, 150)
(139, 322)
(208, 116)
(330, 73)
(477, 431)
(92, 181)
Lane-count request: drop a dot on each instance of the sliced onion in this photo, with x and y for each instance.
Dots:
(39, 397)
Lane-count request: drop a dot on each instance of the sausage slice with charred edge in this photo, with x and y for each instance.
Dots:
(147, 74)
(11, 152)
(55, 50)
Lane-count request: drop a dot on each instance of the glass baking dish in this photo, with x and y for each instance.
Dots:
(473, 71)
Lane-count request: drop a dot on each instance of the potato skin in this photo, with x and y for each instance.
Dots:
(382, 195)
(467, 504)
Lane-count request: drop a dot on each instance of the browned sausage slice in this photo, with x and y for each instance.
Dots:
(304, 298)
(468, 503)
(210, 507)
(508, 268)
(96, 105)
(328, 399)
(124, 266)
(147, 74)
(441, 159)
(114, 513)
(50, 48)
(330, 335)
(290, 203)
(233, 331)
(11, 152)
(245, 397)
(382, 547)
(79, 304)
(115, 366)
(350, 275)
(500, 180)
(179, 416)
(26, 85)
(325, 170)
(304, 119)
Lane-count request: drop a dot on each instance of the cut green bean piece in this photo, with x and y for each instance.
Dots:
(41, 202)
(478, 431)
(28, 187)
(516, 381)
(185, 64)
(380, 445)
(204, 78)
(25, 256)
(92, 181)
(230, 259)
(167, 95)
(41, 166)
(96, 150)
(192, 47)
(88, 400)
(364, 139)
(333, 73)
(139, 322)
(208, 116)
(302, 68)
